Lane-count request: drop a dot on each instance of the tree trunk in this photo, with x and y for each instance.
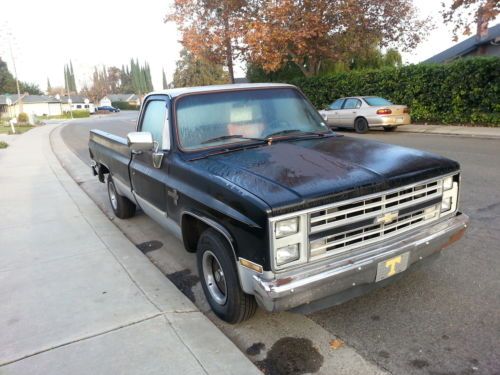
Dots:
(229, 51)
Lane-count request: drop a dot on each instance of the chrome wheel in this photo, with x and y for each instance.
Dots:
(112, 196)
(214, 277)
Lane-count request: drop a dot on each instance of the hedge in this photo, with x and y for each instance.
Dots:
(466, 91)
(124, 106)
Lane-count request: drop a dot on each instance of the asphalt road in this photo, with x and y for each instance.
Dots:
(443, 319)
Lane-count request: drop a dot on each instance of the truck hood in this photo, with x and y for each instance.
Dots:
(311, 172)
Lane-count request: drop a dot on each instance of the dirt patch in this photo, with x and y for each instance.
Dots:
(184, 281)
(419, 363)
(148, 246)
(291, 356)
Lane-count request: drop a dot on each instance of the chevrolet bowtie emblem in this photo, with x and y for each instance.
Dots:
(387, 218)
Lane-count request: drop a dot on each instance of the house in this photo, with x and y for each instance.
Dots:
(38, 105)
(487, 44)
(78, 102)
(131, 99)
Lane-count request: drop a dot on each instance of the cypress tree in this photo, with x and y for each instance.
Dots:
(164, 80)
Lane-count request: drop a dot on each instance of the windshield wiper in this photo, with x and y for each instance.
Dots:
(223, 137)
(290, 131)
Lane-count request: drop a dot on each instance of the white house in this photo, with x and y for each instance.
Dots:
(37, 105)
(131, 99)
(78, 102)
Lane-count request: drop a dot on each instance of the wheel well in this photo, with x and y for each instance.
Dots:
(357, 118)
(192, 228)
(101, 171)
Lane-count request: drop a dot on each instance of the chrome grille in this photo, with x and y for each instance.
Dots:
(356, 223)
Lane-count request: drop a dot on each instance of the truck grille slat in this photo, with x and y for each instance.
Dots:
(362, 222)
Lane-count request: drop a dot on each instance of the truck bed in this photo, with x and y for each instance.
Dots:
(111, 152)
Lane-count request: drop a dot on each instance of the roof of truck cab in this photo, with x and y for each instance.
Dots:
(214, 88)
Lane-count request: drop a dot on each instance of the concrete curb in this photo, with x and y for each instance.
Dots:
(460, 131)
(216, 353)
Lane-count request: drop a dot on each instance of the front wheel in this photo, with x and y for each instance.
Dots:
(122, 207)
(219, 279)
(361, 125)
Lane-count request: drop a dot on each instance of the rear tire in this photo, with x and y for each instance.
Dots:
(361, 125)
(219, 279)
(123, 207)
(389, 128)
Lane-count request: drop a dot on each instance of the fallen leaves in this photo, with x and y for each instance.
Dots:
(336, 344)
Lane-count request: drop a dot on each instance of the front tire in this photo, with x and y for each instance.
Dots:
(361, 125)
(123, 207)
(219, 279)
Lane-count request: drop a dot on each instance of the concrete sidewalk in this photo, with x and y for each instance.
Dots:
(465, 131)
(77, 297)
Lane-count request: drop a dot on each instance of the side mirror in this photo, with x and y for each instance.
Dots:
(140, 141)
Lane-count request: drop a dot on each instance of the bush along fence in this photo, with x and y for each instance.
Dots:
(466, 91)
(124, 106)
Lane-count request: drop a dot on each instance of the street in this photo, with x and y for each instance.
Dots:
(441, 319)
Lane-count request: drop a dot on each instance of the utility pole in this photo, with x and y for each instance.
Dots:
(19, 98)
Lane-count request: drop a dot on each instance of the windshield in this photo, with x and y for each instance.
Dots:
(377, 102)
(214, 119)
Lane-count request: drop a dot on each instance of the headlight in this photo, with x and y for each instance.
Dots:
(448, 183)
(286, 227)
(287, 254)
(446, 204)
(450, 195)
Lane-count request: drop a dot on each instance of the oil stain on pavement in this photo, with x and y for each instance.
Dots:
(184, 281)
(291, 356)
(148, 246)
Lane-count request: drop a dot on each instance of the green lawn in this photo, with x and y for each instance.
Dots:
(19, 129)
(3, 144)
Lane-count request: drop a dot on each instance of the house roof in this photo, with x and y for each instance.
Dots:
(121, 97)
(74, 99)
(189, 90)
(465, 47)
(29, 99)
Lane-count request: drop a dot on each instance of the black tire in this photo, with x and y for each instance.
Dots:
(224, 293)
(389, 128)
(123, 207)
(361, 125)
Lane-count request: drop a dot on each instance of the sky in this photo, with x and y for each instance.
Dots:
(47, 34)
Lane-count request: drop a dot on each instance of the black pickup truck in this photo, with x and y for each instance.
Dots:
(280, 211)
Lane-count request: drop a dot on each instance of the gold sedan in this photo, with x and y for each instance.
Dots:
(364, 112)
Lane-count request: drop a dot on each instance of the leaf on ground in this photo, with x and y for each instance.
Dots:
(336, 344)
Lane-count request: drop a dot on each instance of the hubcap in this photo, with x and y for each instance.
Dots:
(214, 277)
(112, 196)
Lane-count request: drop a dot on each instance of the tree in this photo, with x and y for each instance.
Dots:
(164, 79)
(8, 82)
(69, 78)
(49, 87)
(30, 88)
(311, 32)
(211, 30)
(464, 13)
(193, 71)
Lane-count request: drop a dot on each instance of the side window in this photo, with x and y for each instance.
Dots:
(352, 103)
(153, 120)
(337, 104)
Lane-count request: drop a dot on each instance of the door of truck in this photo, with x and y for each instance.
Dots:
(149, 182)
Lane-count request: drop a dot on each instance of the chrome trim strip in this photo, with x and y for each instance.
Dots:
(159, 216)
(122, 188)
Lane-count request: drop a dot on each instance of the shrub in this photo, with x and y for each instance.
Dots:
(3, 144)
(23, 118)
(462, 92)
(124, 106)
(81, 113)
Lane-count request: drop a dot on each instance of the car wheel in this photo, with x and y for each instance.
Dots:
(122, 207)
(219, 279)
(361, 125)
(389, 128)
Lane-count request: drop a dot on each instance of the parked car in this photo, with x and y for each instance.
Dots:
(280, 210)
(108, 108)
(364, 112)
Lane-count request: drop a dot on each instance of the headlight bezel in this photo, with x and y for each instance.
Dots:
(300, 237)
(450, 193)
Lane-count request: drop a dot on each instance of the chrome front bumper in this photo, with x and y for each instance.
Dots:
(334, 277)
